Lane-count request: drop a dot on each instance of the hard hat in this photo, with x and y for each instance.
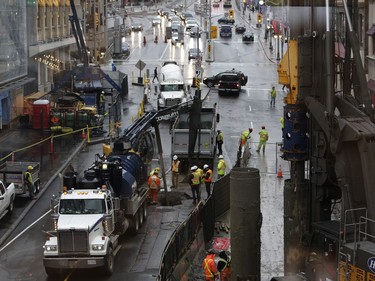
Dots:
(193, 168)
(157, 169)
(205, 166)
(263, 127)
(175, 157)
(221, 157)
(30, 167)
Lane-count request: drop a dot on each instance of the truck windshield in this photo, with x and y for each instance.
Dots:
(172, 87)
(82, 206)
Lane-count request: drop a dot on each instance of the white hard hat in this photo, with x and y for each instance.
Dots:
(193, 168)
(175, 157)
(205, 166)
(221, 157)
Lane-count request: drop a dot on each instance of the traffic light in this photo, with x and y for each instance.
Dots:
(259, 18)
(231, 13)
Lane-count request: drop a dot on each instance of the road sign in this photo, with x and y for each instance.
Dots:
(198, 72)
(140, 65)
(54, 120)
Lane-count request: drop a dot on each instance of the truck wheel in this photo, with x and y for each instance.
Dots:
(109, 262)
(36, 187)
(144, 213)
(140, 216)
(52, 272)
(11, 205)
(135, 224)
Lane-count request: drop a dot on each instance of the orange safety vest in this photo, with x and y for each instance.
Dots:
(208, 264)
(154, 182)
(209, 171)
(175, 166)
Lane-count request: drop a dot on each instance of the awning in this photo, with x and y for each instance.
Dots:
(371, 85)
(371, 31)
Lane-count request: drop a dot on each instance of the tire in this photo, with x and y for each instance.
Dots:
(140, 216)
(11, 206)
(135, 224)
(52, 272)
(144, 213)
(210, 84)
(109, 263)
(36, 187)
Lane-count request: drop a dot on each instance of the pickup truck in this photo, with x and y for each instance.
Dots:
(229, 83)
(14, 172)
(7, 195)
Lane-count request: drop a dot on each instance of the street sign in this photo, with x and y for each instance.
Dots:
(198, 71)
(54, 120)
(140, 65)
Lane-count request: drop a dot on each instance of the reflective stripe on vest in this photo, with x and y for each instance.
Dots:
(221, 167)
(175, 166)
(210, 177)
(207, 268)
(196, 179)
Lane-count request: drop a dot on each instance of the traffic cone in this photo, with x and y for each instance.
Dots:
(83, 135)
(279, 172)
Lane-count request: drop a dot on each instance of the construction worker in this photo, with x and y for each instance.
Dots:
(245, 136)
(154, 186)
(156, 170)
(210, 271)
(195, 183)
(207, 177)
(102, 101)
(263, 138)
(223, 266)
(273, 97)
(29, 182)
(220, 141)
(175, 171)
(201, 173)
(221, 167)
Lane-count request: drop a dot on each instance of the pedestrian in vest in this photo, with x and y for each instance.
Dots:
(221, 166)
(175, 171)
(273, 96)
(220, 141)
(263, 138)
(223, 266)
(207, 179)
(245, 136)
(210, 271)
(195, 182)
(102, 101)
(29, 182)
(155, 75)
(154, 186)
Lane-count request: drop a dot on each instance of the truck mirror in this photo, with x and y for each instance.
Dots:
(218, 118)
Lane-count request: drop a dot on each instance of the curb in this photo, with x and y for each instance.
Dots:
(27, 209)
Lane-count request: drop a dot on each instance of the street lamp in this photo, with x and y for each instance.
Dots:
(271, 31)
(278, 37)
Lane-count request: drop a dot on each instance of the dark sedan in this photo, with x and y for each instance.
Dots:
(214, 80)
(248, 37)
(240, 28)
(225, 20)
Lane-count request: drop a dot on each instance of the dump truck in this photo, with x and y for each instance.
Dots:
(92, 213)
(14, 172)
(205, 141)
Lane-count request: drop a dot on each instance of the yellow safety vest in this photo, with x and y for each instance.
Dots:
(197, 178)
(220, 136)
(221, 167)
(245, 135)
(28, 177)
(175, 166)
(263, 135)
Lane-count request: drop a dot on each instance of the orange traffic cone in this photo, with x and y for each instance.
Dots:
(279, 172)
(83, 135)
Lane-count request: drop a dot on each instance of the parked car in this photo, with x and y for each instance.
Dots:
(225, 31)
(240, 28)
(214, 80)
(193, 53)
(248, 37)
(225, 20)
(156, 21)
(227, 5)
(137, 26)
